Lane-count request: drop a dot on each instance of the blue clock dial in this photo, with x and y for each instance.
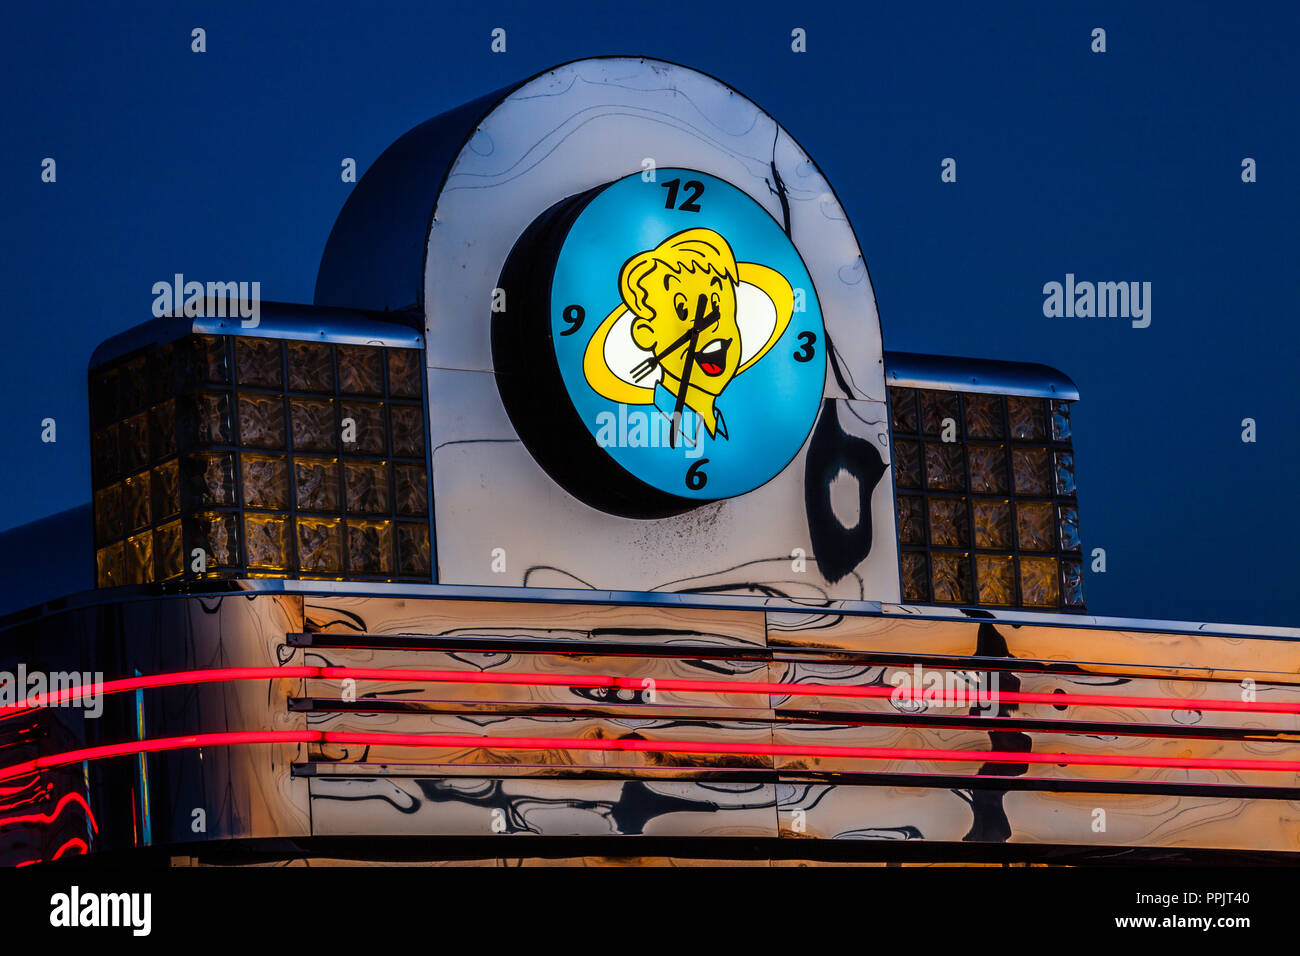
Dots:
(681, 338)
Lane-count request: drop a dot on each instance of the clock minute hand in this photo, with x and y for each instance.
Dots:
(696, 328)
(647, 366)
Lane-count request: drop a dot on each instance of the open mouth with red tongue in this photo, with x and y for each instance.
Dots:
(712, 359)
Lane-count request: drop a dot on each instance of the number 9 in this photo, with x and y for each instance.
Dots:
(573, 314)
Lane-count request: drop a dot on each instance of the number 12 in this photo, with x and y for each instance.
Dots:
(690, 205)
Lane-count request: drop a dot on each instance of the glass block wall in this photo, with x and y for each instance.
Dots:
(990, 516)
(277, 458)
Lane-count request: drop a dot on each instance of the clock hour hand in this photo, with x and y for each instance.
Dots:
(647, 366)
(699, 325)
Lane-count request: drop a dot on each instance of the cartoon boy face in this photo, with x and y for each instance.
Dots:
(686, 284)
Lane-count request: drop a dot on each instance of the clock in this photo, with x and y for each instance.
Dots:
(658, 343)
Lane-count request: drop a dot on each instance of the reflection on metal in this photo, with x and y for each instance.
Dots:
(159, 636)
(954, 374)
(591, 716)
(844, 465)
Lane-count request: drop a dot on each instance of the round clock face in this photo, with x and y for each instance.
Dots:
(661, 345)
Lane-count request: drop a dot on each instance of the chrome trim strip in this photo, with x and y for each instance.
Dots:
(932, 612)
(951, 373)
(277, 320)
(474, 592)
(451, 592)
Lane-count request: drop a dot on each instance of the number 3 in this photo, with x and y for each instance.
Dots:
(807, 352)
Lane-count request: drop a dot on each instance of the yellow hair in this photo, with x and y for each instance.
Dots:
(689, 251)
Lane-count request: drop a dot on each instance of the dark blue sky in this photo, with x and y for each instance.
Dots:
(1122, 166)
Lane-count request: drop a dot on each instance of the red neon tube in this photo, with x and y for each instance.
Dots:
(650, 746)
(627, 683)
(786, 690)
(206, 676)
(53, 814)
(80, 844)
(158, 744)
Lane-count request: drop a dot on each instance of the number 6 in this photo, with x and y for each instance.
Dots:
(695, 478)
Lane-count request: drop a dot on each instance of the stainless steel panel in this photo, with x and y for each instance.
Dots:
(241, 791)
(332, 788)
(951, 373)
(466, 806)
(490, 494)
(565, 131)
(651, 625)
